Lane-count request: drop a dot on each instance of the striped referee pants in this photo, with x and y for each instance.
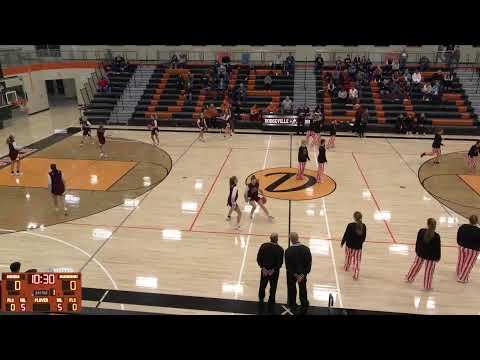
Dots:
(353, 257)
(465, 263)
(415, 268)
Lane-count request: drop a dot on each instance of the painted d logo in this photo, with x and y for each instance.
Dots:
(281, 183)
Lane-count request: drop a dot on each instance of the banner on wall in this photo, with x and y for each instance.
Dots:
(282, 120)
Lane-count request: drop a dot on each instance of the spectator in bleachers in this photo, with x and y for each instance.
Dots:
(436, 88)
(347, 61)
(336, 76)
(287, 106)
(403, 59)
(174, 61)
(339, 64)
(277, 62)
(395, 65)
(272, 108)
(267, 81)
(437, 75)
(352, 70)
(416, 79)
(213, 114)
(455, 56)
(409, 125)
(103, 85)
(241, 93)
(182, 61)
(427, 91)
(342, 95)
(254, 113)
(424, 63)
(353, 94)
(319, 62)
(400, 124)
(331, 88)
(204, 80)
(447, 80)
(377, 74)
(15, 267)
(421, 121)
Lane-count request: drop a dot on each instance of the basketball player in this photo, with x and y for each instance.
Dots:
(13, 153)
(56, 185)
(302, 159)
(227, 130)
(354, 237)
(333, 134)
(322, 160)
(468, 240)
(252, 197)
(428, 249)
(86, 130)
(202, 125)
(154, 130)
(437, 143)
(101, 140)
(232, 201)
(473, 155)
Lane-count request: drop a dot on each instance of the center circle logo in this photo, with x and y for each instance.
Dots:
(282, 183)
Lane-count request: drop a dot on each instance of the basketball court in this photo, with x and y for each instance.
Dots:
(152, 220)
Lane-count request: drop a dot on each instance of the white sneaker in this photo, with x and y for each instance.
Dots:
(238, 227)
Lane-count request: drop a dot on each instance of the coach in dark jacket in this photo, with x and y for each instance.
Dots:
(468, 240)
(298, 261)
(270, 260)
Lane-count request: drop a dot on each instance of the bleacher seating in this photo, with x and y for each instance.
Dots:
(453, 109)
(102, 104)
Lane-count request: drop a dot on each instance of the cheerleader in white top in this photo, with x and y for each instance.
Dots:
(232, 201)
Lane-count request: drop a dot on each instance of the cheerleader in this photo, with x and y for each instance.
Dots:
(354, 237)
(252, 197)
(468, 240)
(56, 186)
(473, 155)
(322, 160)
(86, 130)
(333, 134)
(101, 140)
(232, 201)
(202, 126)
(428, 249)
(13, 153)
(317, 128)
(302, 159)
(154, 130)
(437, 143)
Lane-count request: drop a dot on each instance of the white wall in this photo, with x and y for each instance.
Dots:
(36, 89)
(70, 88)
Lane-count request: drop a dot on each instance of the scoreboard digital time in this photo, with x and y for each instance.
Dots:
(41, 292)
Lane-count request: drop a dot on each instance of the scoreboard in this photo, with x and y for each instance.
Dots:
(41, 292)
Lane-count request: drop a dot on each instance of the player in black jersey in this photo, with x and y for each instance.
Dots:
(473, 155)
(14, 154)
(232, 201)
(101, 140)
(154, 130)
(86, 130)
(436, 146)
(252, 196)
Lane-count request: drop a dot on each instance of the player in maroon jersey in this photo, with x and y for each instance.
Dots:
(56, 185)
(252, 196)
(14, 154)
(101, 140)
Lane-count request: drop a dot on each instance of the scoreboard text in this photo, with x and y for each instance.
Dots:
(44, 292)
